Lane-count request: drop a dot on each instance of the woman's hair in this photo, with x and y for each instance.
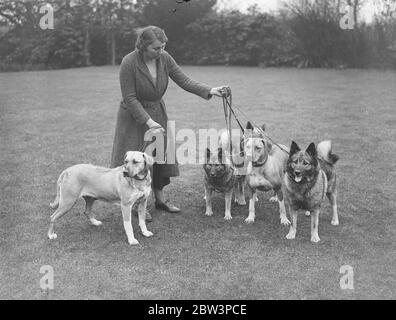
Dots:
(148, 35)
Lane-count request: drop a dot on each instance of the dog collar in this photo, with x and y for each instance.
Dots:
(136, 177)
(140, 179)
(260, 164)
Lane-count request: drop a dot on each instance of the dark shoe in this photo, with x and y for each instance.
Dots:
(166, 206)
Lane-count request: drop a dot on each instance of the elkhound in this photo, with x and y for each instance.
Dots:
(310, 175)
(220, 177)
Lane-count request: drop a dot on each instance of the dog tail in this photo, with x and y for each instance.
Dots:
(55, 204)
(325, 152)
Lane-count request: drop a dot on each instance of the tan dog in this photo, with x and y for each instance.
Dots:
(128, 184)
(265, 170)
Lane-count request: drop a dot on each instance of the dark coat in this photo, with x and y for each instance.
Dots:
(142, 99)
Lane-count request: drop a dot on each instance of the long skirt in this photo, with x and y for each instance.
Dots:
(129, 136)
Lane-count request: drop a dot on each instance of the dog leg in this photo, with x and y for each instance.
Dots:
(240, 192)
(126, 215)
(333, 201)
(252, 203)
(275, 198)
(228, 201)
(208, 200)
(314, 226)
(88, 211)
(282, 208)
(293, 227)
(142, 218)
(63, 208)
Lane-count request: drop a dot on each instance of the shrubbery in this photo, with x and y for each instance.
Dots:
(98, 32)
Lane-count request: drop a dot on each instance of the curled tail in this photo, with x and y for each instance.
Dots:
(55, 204)
(324, 151)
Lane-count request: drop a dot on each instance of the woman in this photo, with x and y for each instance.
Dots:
(144, 79)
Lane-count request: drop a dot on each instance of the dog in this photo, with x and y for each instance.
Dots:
(310, 175)
(127, 185)
(265, 170)
(219, 176)
(234, 155)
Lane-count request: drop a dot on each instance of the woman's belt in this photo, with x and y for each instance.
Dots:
(150, 104)
(146, 103)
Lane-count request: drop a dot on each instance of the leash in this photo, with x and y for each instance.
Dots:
(145, 144)
(261, 130)
(227, 106)
(228, 112)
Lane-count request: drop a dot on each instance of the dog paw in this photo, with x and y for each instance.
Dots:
(315, 238)
(249, 220)
(307, 213)
(291, 235)
(148, 234)
(335, 222)
(209, 213)
(52, 236)
(133, 242)
(273, 199)
(95, 222)
(241, 202)
(285, 221)
(227, 217)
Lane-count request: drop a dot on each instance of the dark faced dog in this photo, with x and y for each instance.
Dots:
(220, 177)
(310, 175)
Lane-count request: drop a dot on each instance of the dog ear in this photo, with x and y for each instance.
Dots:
(311, 150)
(249, 126)
(125, 171)
(149, 161)
(294, 148)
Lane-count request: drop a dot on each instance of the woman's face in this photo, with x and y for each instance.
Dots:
(154, 50)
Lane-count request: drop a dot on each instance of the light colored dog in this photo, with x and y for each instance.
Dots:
(128, 184)
(265, 170)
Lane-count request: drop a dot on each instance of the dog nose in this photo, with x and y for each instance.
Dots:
(297, 172)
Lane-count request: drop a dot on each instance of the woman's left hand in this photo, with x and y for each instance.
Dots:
(218, 91)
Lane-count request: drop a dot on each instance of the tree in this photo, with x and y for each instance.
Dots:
(173, 17)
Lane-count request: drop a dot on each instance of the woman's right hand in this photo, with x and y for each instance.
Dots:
(155, 127)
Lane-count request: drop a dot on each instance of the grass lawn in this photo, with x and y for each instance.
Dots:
(50, 120)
